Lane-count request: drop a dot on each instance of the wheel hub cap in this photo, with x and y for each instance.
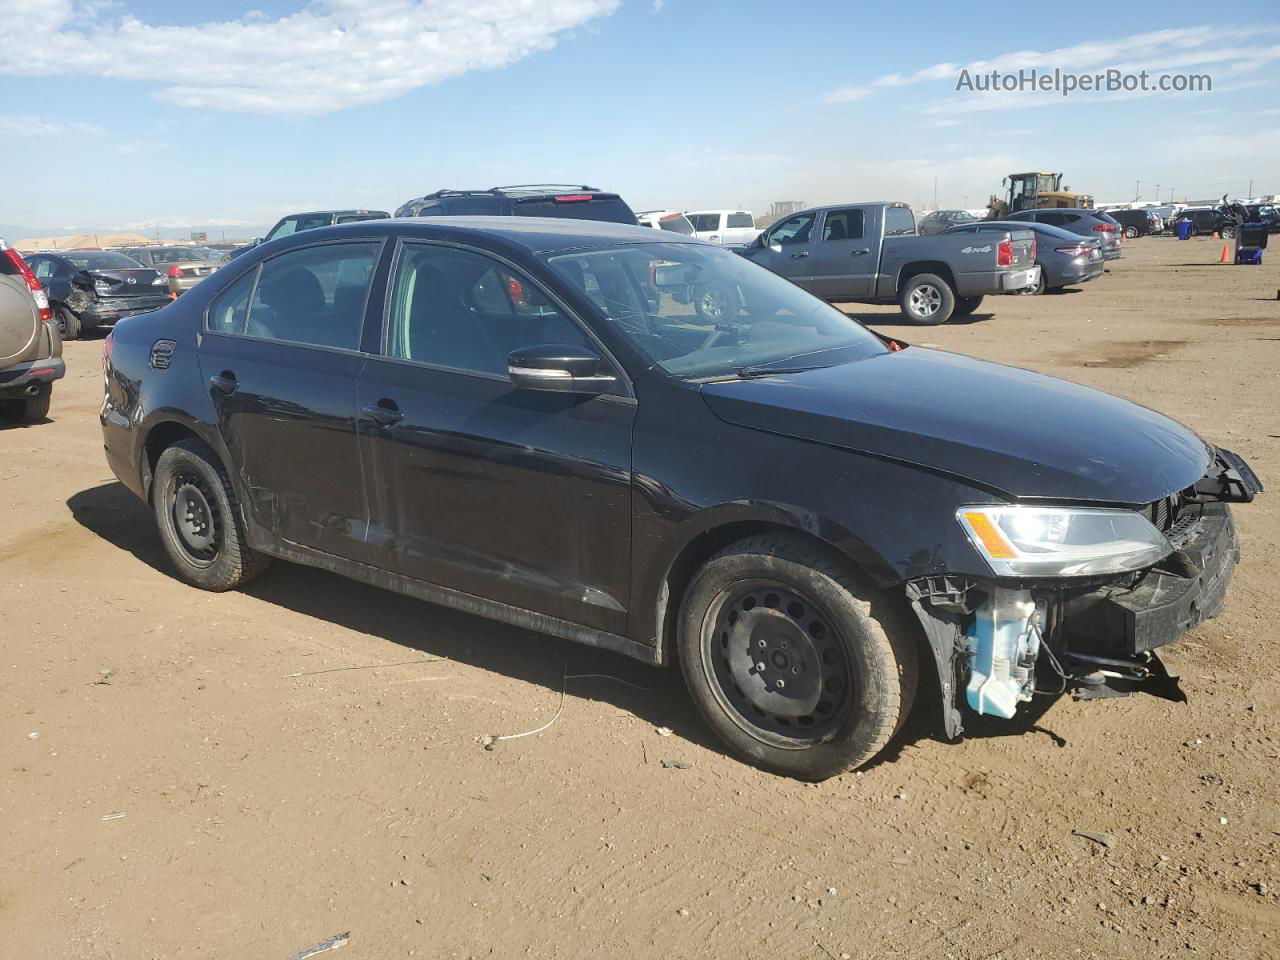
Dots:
(778, 663)
(926, 300)
(194, 520)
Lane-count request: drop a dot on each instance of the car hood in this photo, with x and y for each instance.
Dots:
(1011, 431)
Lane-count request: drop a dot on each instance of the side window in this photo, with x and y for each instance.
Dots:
(899, 222)
(229, 308)
(314, 295)
(842, 225)
(42, 267)
(795, 230)
(464, 310)
(314, 221)
(708, 222)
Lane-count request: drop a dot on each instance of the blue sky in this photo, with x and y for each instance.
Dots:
(136, 112)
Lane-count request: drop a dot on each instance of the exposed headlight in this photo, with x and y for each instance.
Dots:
(160, 281)
(1062, 541)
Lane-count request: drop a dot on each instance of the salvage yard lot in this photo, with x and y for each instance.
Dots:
(247, 774)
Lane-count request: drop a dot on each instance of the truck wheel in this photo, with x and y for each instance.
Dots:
(1131, 232)
(27, 409)
(199, 519)
(68, 324)
(965, 306)
(715, 303)
(927, 299)
(1227, 233)
(795, 664)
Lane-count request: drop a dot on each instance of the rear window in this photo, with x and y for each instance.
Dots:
(742, 220)
(1106, 217)
(174, 255)
(899, 222)
(608, 209)
(467, 206)
(103, 261)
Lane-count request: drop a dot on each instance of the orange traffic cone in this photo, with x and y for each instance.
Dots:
(1224, 258)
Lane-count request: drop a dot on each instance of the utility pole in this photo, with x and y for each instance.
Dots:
(935, 191)
(1137, 189)
(1250, 190)
(1157, 193)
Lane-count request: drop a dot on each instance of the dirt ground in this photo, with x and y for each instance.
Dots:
(244, 775)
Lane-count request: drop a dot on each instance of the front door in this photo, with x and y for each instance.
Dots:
(787, 248)
(280, 360)
(513, 495)
(841, 264)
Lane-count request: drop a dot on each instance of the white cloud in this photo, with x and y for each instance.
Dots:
(30, 126)
(846, 94)
(329, 55)
(1228, 49)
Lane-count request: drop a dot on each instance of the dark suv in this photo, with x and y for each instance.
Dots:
(1208, 220)
(527, 420)
(532, 200)
(1136, 223)
(297, 222)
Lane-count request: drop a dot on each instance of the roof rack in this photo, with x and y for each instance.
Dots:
(545, 186)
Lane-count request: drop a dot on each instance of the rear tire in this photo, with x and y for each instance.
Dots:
(199, 519)
(775, 610)
(27, 409)
(927, 300)
(68, 324)
(1227, 233)
(1131, 232)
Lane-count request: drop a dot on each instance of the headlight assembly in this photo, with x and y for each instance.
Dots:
(1019, 541)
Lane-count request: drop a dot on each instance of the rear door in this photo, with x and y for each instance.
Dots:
(841, 265)
(280, 356)
(519, 496)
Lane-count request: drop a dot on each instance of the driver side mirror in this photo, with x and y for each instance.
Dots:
(559, 368)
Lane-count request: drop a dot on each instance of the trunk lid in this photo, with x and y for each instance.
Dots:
(110, 284)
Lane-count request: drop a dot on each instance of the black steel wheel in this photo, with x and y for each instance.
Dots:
(199, 519)
(797, 665)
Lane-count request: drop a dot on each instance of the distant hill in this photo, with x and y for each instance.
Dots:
(12, 233)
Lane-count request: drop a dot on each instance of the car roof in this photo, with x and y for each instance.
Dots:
(533, 234)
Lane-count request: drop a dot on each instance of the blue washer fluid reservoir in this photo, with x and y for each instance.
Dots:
(1004, 642)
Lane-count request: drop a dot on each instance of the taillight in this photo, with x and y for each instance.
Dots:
(1004, 254)
(1033, 249)
(33, 284)
(1104, 228)
(175, 271)
(573, 198)
(1076, 251)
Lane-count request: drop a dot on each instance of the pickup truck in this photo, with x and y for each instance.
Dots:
(729, 228)
(870, 253)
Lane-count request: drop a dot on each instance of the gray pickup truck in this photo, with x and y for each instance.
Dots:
(870, 253)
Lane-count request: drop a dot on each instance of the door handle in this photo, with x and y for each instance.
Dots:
(385, 413)
(225, 382)
(858, 253)
(797, 256)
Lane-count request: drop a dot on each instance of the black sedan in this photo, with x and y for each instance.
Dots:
(93, 288)
(527, 419)
(1066, 259)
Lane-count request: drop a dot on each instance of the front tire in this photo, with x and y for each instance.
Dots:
(199, 519)
(794, 663)
(27, 409)
(1131, 232)
(1227, 233)
(927, 300)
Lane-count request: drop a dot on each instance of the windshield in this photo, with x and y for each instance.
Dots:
(103, 261)
(702, 312)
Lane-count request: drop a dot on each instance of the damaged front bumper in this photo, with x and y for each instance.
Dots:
(997, 642)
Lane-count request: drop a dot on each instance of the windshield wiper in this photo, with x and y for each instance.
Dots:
(764, 370)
